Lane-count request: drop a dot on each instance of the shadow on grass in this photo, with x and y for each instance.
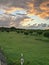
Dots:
(44, 40)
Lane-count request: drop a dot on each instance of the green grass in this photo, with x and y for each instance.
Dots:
(34, 48)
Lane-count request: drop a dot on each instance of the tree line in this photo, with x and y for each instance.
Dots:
(45, 33)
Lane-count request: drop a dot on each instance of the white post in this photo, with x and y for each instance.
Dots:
(22, 59)
(0, 62)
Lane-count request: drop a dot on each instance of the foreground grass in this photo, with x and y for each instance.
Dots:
(34, 48)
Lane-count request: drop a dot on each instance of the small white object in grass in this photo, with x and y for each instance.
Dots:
(21, 54)
(22, 59)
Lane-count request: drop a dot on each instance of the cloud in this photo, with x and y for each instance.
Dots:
(11, 17)
(44, 15)
(39, 8)
(4, 20)
(26, 22)
(45, 8)
(10, 20)
(12, 9)
(14, 3)
(20, 18)
(33, 7)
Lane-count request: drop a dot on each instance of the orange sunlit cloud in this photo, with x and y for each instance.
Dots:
(43, 15)
(31, 10)
(43, 7)
(31, 5)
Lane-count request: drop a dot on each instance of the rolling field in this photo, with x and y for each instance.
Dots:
(34, 48)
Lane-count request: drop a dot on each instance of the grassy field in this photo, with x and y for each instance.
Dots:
(34, 48)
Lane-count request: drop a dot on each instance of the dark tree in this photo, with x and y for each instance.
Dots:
(26, 33)
(46, 34)
(13, 29)
(39, 32)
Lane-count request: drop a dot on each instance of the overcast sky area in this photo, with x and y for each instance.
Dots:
(23, 13)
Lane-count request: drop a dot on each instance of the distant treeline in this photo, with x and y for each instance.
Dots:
(26, 31)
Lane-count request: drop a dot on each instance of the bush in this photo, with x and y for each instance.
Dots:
(26, 33)
(31, 32)
(39, 32)
(18, 31)
(46, 34)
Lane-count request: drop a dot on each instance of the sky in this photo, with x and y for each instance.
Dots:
(23, 13)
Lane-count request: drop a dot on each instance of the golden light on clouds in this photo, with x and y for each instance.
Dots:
(43, 7)
(43, 15)
(31, 5)
(31, 9)
(12, 9)
(26, 22)
(24, 12)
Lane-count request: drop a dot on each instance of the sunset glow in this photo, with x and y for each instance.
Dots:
(24, 13)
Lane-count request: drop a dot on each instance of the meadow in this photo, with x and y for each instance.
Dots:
(35, 48)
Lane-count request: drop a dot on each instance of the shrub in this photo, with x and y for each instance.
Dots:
(46, 34)
(39, 32)
(26, 33)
